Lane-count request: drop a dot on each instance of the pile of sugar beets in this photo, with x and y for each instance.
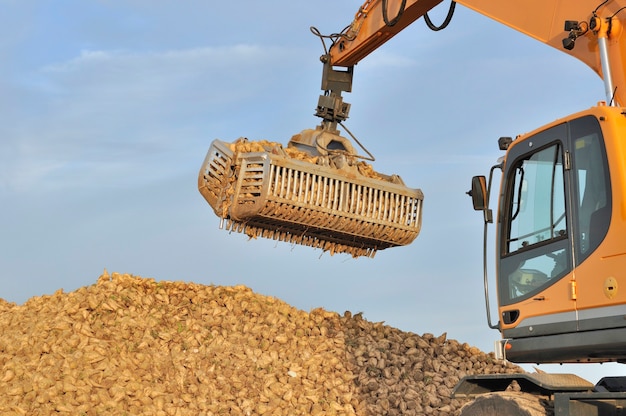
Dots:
(131, 345)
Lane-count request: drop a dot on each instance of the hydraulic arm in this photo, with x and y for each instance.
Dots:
(590, 31)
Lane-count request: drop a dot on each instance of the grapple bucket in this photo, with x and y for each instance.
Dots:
(263, 190)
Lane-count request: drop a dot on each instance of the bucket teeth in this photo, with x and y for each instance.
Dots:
(266, 193)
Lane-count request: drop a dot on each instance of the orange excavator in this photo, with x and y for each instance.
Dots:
(560, 224)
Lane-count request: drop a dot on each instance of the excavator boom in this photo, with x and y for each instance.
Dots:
(587, 30)
(375, 23)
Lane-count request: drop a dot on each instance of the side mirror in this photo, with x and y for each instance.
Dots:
(479, 193)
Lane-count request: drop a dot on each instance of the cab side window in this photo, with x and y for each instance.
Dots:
(592, 185)
(538, 199)
(537, 229)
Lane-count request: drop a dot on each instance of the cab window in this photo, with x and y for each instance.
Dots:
(591, 186)
(537, 200)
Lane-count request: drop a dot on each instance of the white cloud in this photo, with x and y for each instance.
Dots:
(117, 110)
(131, 75)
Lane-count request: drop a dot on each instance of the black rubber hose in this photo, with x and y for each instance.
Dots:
(445, 23)
(398, 16)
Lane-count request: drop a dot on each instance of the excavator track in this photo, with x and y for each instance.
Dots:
(262, 190)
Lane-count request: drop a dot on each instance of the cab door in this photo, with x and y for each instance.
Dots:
(535, 237)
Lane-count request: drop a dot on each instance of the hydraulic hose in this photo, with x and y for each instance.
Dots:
(445, 23)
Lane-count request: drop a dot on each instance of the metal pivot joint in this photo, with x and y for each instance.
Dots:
(330, 107)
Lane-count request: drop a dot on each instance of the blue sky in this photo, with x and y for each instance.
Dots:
(110, 107)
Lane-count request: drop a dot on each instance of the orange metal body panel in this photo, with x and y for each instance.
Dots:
(609, 260)
(555, 299)
(544, 20)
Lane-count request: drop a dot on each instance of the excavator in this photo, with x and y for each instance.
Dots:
(560, 250)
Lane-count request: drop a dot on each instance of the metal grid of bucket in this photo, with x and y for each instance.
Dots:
(271, 196)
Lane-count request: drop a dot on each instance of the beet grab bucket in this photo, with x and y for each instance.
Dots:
(316, 192)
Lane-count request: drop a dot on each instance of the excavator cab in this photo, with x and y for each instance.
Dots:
(560, 258)
(559, 242)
